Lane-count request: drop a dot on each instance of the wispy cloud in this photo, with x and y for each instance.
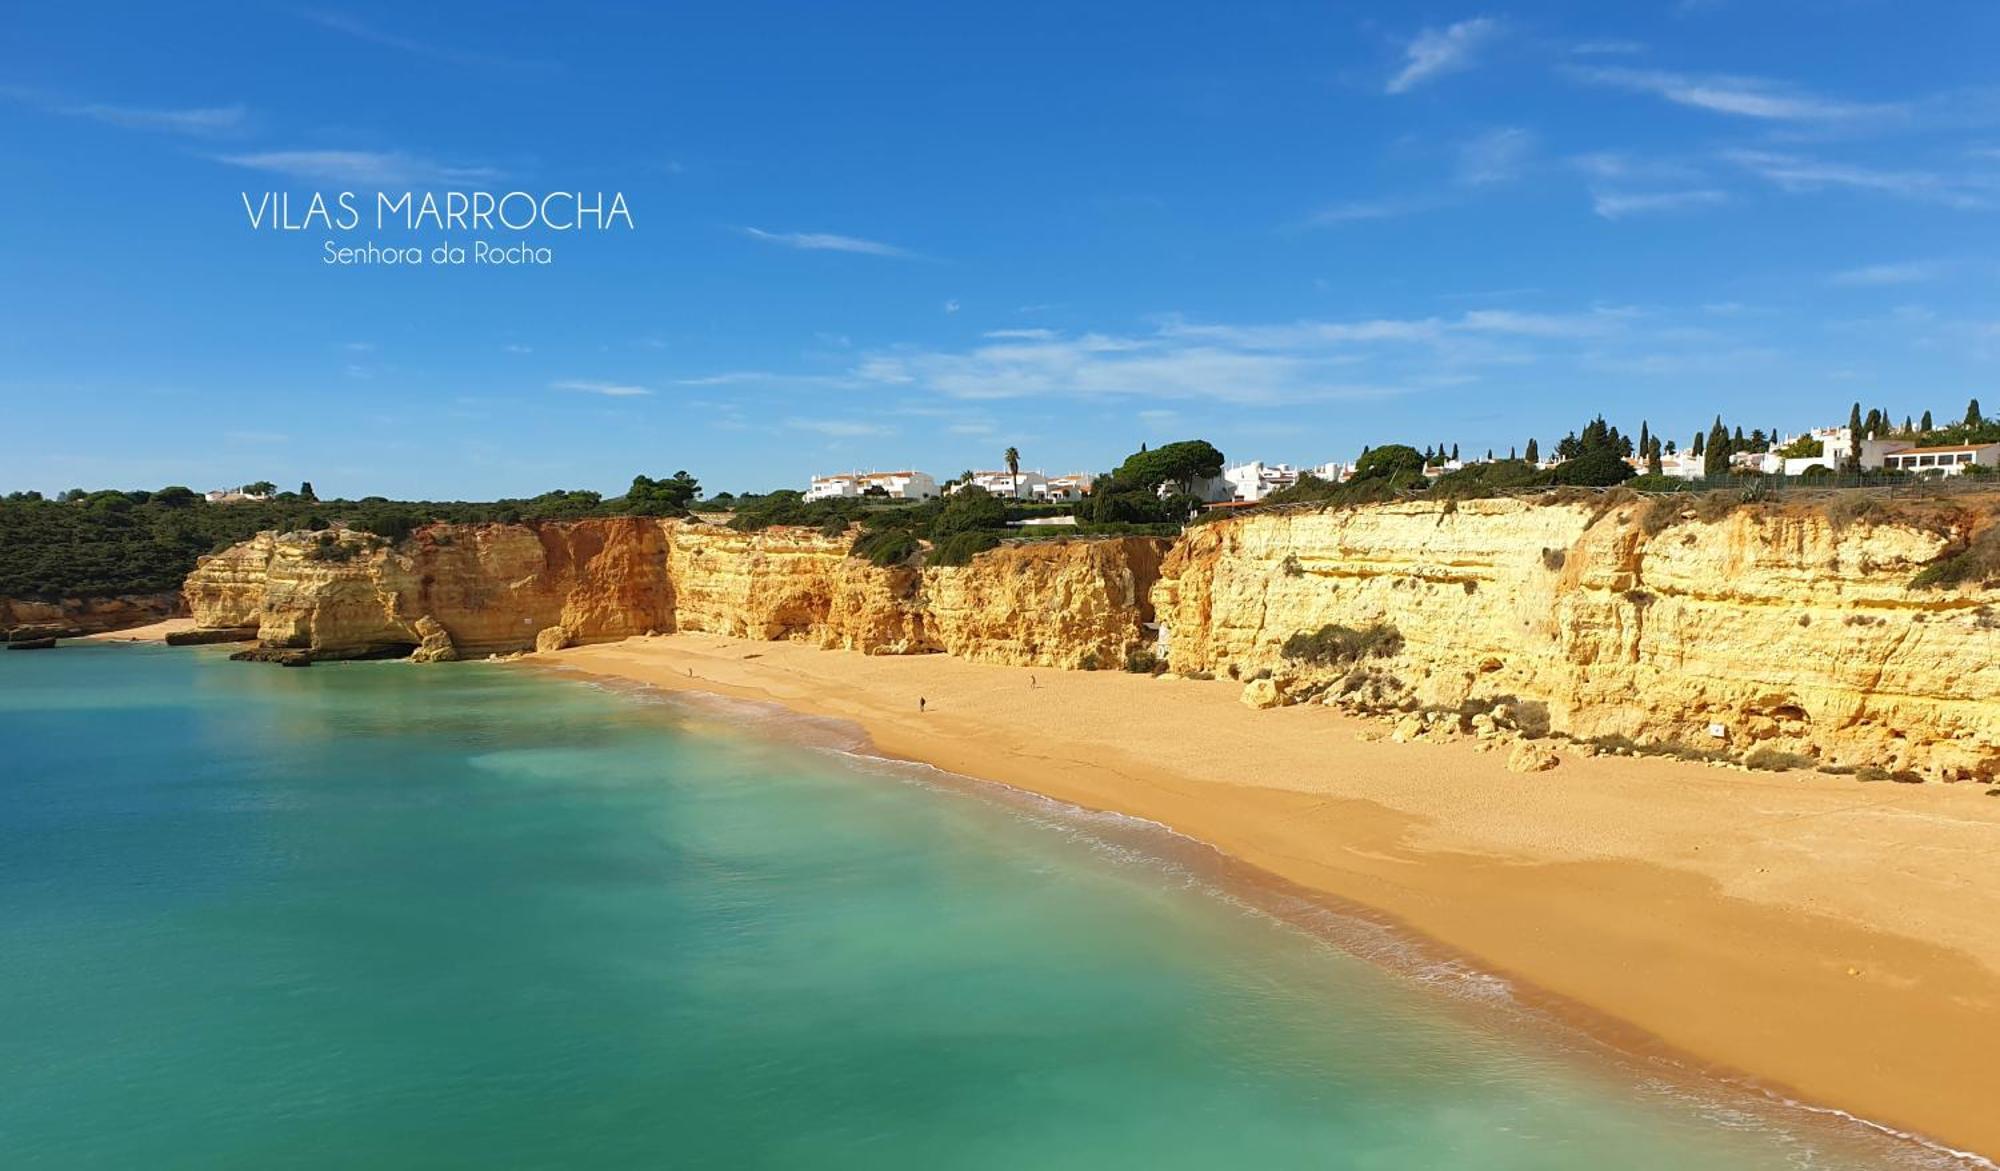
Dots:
(517, 348)
(1435, 52)
(1020, 334)
(359, 167)
(1907, 273)
(827, 242)
(839, 428)
(1744, 97)
(1497, 156)
(349, 26)
(193, 121)
(1614, 205)
(1798, 173)
(608, 389)
(1608, 48)
(1362, 210)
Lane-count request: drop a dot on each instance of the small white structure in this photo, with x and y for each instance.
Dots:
(905, 485)
(1333, 472)
(1074, 486)
(1948, 461)
(1255, 480)
(1031, 485)
(232, 496)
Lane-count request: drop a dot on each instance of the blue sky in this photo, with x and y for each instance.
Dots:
(915, 234)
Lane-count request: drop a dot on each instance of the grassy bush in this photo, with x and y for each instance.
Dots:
(1771, 759)
(1977, 564)
(885, 547)
(1143, 662)
(1334, 645)
(961, 548)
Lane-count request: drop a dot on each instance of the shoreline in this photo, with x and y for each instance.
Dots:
(1831, 950)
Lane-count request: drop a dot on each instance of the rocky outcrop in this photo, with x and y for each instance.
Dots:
(1785, 629)
(434, 643)
(504, 588)
(88, 615)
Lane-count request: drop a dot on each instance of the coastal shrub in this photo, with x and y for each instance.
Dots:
(1143, 662)
(330, 548)
(1290, 566)
(961, 548)
(1977, 564)
(1554, 559)
(1770, 759)
(885, 547)
(1334, 645)
(1088, 662)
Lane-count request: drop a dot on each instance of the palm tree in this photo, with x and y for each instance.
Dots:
(1013, 458)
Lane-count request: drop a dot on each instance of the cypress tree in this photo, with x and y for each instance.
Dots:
(1972, 416)
(1926, 424)
(1715, 460)
(1854, 423)
(1534, 455)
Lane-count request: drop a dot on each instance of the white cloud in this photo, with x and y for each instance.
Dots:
(1357, 211)
(826, 242)
(1613, 205)
(359, 167)
(608, 389)
(839, 428)
(1907, 273)
(1797, 173)
(1020, 334)
(347, 25)
(951, 306)
(1744, 97)
(1436, 52)
(1497, 156)
(195, 121)
(517, 348)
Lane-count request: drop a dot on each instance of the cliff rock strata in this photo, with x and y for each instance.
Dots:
(496, 588)
(1778, 627)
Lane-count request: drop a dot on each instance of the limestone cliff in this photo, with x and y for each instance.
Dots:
(1784, 627)
(1789, 629)
(495, 588)
(88, 615)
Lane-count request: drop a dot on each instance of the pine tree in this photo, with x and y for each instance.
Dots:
(306, 491)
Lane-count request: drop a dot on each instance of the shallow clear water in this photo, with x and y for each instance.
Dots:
(375, 915)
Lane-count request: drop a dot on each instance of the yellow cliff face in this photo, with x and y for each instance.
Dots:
(495, 588)
(1777, 627)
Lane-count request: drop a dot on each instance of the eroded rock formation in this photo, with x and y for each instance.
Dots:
(502, 588)
(1780, 627)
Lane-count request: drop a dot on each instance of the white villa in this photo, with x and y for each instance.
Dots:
(1033, 485)
(232, 496)
(1948, 461)
(1074, 486)
(907, 485)
(1255, 480)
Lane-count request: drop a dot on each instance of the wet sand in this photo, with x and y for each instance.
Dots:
(1831, 940)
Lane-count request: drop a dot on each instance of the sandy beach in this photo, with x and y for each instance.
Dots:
(151, 632)
(1834, 941)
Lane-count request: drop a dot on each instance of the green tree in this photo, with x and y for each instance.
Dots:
(1715, 452)
(968, 510)
(1012, 456)
(306, 492)
(1391, 461)
(1854, 430)
(1534, 453)
(1925, 424)
(260, 488)
(1180, 464)
(1972, 416)
(668, 497)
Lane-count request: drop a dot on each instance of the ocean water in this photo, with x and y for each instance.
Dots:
(381, 916)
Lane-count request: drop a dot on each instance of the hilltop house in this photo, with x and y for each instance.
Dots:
(1033, 485)
(906, 485)
(1074, 486)
(1948, 461)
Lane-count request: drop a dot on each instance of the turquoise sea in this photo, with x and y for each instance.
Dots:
(378, 916)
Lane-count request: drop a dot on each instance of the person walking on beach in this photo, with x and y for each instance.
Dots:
(1031, 683)
(920, 703)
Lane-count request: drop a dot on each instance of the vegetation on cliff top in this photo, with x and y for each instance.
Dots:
(96, 544)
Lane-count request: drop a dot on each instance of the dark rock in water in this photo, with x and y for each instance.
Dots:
(41, 630)
(215, 634)
(270, 654)
(31, 644)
